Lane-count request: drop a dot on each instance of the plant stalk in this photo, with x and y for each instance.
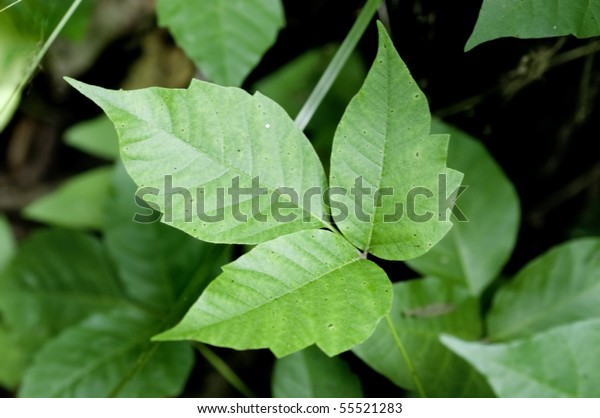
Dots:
(40, 54)
(337, 63)
(224, 370)
(10, 5)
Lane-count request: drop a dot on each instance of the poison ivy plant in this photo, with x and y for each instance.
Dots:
(561, 362)
(224, 166)
(311, 374)
(209, 138)
(225, 38)
(535, 19)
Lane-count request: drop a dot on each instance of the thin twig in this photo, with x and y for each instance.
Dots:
(224, 370)
(10, 5)
(337, 64)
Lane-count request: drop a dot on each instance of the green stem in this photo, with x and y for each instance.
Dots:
(337, 63)
(40, 54)
(56, 32)
(11, 5)
(224, 370)
(409, 363)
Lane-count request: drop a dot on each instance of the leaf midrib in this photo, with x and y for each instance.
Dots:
(385, 144)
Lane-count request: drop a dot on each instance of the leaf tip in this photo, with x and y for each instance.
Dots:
(88, 90)
(471, 43)
(167, 335)
(383, 33)
(74, 83)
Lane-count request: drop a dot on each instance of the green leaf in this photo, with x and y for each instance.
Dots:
(559, 287)
(535, 19)
(311, 374)
(7, 242)
(476, 249)
(188, 147)
(383, 146)
(98, 358)
(96, 137)
(562, 362)
(46, 289)
(78, 203)
(287, 294)
(422, 310)
(225, 38)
